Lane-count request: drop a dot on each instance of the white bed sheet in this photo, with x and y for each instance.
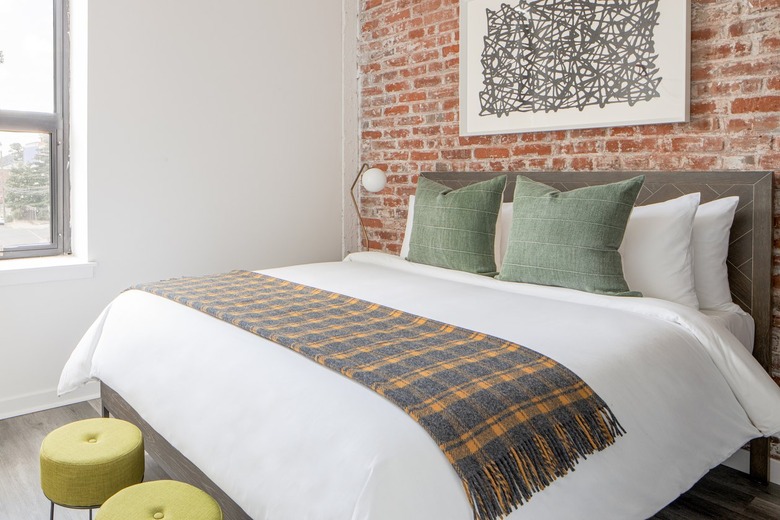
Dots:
(289, 439)
(737, 321)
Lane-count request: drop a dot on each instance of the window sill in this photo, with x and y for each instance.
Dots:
(39, 270)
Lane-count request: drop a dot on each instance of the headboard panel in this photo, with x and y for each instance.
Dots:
(750, 250)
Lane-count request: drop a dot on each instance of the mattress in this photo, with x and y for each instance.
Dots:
(287, 438)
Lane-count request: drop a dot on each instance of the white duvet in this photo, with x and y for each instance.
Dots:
(288, 439)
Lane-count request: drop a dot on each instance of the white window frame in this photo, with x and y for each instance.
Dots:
(56, 125)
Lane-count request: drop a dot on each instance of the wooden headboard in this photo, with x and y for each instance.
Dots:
(750, 249)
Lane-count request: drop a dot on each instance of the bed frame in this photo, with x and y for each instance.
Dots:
(749, 264)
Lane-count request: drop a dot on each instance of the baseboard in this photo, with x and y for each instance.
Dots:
(741, 462)
(36, 402)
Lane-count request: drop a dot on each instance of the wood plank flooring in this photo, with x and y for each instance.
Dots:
(723, 494)
(727, 494)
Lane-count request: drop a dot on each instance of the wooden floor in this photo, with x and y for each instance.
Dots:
(722, 494)
(726, 494)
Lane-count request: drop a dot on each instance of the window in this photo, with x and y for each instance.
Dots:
(34, 212)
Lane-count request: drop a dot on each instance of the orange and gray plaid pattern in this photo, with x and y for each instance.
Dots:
(509, 419)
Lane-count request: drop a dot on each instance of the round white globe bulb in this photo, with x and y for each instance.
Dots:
(374, 180)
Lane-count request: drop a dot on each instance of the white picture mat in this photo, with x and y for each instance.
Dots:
(672, 44)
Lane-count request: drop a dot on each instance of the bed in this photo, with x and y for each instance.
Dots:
(271, 435)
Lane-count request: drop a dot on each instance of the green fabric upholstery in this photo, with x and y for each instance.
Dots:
(85, 462)
(160, 500)
(570, 239)
(456, 229)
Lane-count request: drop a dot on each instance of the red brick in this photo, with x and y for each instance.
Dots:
(632, 145)
(426, 6)
(425, 156)
(656, 129)
(452, 49)
(636, 162)
(701, 72)
(414, 71)
(425, 107)
(456, 154)
(475, 140)
(395, 87)
(427, 130)
(697, 144)
(770, 44)
(749, 68)
(623, 131)
(750, 143)
(754, 124)
(419, 95)
(579, 147)
(395, 156)
(707, 107)
(490, 153)
(411, 144)
(427, 82)
(701, 162)
(757, 104)
(396, 110)
(400, 61)
(532, 149)
(705, 33)
(424, 56)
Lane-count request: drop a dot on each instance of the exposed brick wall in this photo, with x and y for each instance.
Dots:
(408, 57)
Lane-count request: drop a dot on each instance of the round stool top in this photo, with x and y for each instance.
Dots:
(91, 441)
(85, 462)
(160, 500)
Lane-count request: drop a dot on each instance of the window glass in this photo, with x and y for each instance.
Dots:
(25, 189)
(27, 55)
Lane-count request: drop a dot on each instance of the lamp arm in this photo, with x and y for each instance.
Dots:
(357, 208)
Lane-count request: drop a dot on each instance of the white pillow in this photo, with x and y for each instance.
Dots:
(711, 230)
(505, 225)
(499, 232)
(408, 232)
(657, 250)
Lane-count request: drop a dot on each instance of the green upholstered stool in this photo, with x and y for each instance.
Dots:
(160, 500)
(85, 462)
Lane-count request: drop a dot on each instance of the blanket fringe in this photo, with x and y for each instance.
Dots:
(505, 483)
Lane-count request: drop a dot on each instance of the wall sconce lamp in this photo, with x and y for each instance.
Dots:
(374, 180)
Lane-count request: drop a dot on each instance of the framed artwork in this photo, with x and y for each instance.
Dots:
(537, 65)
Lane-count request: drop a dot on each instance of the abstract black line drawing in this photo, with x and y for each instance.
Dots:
(551, 55)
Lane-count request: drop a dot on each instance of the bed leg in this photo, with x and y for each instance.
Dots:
(759, 460)
(106, 413)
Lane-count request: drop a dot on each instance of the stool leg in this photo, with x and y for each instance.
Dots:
(51, 515)
(90, 513)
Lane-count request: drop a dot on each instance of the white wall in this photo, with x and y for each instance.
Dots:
(215, 134)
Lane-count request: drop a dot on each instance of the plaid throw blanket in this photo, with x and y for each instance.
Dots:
(509, 419)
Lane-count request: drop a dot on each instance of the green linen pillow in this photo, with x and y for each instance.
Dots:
(570, 239)
(456, 229)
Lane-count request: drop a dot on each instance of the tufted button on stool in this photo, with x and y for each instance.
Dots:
(160, 500)
(85, 462)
